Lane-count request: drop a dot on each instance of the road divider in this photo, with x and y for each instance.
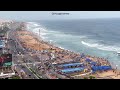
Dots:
(35, 74)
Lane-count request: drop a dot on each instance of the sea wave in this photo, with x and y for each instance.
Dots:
(102, 47)
(37, 29)
(83, 37)
(34, 23)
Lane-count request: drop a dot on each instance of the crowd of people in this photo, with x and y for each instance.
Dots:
(51, 53)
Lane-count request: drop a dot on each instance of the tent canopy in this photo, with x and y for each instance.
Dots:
(72, 70)
(96, 68)
(71, 64)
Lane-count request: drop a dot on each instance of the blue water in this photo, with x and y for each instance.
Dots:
(97, 37)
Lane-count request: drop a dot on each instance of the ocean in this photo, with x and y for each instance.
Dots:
(95, 37)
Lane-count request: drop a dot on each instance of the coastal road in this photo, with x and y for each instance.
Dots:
(15, 49)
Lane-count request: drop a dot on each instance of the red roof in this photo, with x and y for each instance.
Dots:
(1, 59)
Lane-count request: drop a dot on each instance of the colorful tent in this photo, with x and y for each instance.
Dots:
(71, 64)
(72, 70)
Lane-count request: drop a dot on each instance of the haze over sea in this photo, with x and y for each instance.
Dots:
(96, 37)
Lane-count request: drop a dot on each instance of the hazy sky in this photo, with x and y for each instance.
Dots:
(41, 15)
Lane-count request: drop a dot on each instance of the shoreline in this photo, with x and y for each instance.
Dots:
(48, 42)
(58, 46)
(47, 45)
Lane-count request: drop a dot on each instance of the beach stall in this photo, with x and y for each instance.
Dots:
(101, 68)
(70, 65)
(72, 70)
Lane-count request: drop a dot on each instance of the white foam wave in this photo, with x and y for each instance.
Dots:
(40, 28)
(102, 47)
(61, 47)
(37, 29)
(34, 23)
(83, 37)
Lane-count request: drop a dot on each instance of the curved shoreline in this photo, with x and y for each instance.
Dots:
(53, 45)
(48, 42)
(40, 40)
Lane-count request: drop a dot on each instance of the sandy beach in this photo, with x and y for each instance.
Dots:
(29, 40)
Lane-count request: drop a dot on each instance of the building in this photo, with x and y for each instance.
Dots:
(6, 72)
(6, 69)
